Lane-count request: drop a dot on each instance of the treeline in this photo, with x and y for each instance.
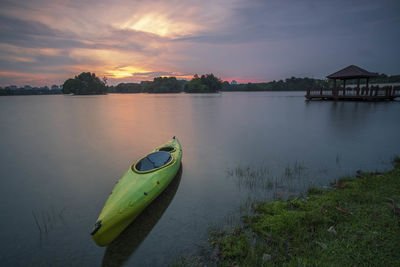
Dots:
(32, 91)
(158, 85)
(382, 78)
(88, 83)
(207, 83)
(291, 84)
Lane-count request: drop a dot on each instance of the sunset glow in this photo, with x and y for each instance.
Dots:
(123, 72)
(159, 25)
(47, 42)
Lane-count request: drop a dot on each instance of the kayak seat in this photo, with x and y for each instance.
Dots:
(153, 161)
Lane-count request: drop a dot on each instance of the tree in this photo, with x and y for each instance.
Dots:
(105, 80)
(163, 85)
(128, 88)
(70, 86)
(195, 86)
(85, 83)
(213, 83)
(205, 84)
(225, 86)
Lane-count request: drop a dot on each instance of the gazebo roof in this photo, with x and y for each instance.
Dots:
(352, 72)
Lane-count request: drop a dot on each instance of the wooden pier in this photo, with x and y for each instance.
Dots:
(358, 93)
(373, 93)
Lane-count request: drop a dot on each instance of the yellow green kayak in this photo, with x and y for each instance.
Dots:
(137, 188)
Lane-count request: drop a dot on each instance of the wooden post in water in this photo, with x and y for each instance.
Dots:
(366, 89)
(344, 86)
(334, 87)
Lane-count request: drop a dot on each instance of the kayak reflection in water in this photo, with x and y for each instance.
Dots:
(118, 251)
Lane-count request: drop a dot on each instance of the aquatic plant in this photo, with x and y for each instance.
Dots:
(357, 223)
(48, 219)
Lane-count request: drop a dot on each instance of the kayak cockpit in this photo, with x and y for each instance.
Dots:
(152, 161)
(167, 149)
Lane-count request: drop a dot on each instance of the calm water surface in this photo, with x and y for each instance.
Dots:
(60, 157)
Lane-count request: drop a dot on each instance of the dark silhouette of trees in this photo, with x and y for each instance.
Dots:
(29, 91)
(163, 85)
(128, 88)
(213, 83)
(290, 84)
(205, 84)
(88, 83)
(157, 86)
(381, 78)
(195, 86)
(85, 83)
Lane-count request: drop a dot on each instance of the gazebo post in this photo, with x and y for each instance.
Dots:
(358, 86)
(344, 86)
(334, 86)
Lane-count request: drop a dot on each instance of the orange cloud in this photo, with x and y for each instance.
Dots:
(160, 24)
(144, 41)
(23, 78)
(123, 72)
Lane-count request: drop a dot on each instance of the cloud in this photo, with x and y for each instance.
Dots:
(263, 21)
(248, 40)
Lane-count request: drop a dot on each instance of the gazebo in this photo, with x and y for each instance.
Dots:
(351, 72)
(367, 93)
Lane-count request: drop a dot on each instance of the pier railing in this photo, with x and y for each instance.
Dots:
(364, 93)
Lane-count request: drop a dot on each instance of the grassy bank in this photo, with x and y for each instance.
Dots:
(356, 222)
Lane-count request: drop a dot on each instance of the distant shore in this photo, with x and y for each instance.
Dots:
(249, 87)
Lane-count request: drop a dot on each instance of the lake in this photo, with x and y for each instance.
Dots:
(61, 156)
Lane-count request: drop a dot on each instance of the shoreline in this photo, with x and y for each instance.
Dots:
(355, 221)
(58, 92)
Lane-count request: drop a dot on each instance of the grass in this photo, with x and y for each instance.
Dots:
(354, 223)
(47, 219)
(259, 181)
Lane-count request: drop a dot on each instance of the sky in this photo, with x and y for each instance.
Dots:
(45, 42)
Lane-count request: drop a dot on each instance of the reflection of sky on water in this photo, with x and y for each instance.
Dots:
(67, 152)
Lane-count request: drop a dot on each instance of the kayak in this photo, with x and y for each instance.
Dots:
(124, 245)
(137, 188)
